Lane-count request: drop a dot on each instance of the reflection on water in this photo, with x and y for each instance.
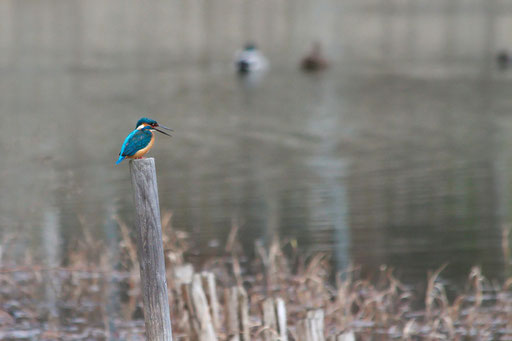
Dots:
(399, 154)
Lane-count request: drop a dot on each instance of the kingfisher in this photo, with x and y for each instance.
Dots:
(140, 141)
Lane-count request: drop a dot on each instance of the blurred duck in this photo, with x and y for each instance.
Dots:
(503, 59)
(314, 61)
(250, 59)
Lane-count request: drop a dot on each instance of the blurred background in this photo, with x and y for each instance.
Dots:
(398, 153)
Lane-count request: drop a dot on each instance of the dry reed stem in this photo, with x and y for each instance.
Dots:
(232, 237)
(432, 293)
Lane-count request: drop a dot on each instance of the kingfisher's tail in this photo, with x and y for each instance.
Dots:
(121, 158)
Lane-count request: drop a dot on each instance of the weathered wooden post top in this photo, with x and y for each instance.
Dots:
(150, 250)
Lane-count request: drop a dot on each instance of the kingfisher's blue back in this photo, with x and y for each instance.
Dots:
(137, 140)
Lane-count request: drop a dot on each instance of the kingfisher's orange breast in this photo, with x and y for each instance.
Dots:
(144, 150)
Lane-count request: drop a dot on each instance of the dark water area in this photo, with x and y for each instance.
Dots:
(398, 154)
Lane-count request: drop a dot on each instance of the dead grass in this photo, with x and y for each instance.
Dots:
(91, 298)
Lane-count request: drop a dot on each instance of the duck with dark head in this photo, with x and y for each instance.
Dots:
(314, 60)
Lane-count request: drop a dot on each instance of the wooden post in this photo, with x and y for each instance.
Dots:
(150, 250)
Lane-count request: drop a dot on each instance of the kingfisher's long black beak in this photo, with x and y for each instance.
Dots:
(162, 126)
(163, 132)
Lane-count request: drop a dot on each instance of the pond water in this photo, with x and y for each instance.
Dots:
(399, 154)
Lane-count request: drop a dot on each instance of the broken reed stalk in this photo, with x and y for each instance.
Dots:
(237, 305)
(210, 288)
(199, 310)
(150, 250)
(269, 320)
(274, 319)
(347, 336)
(312, 327)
